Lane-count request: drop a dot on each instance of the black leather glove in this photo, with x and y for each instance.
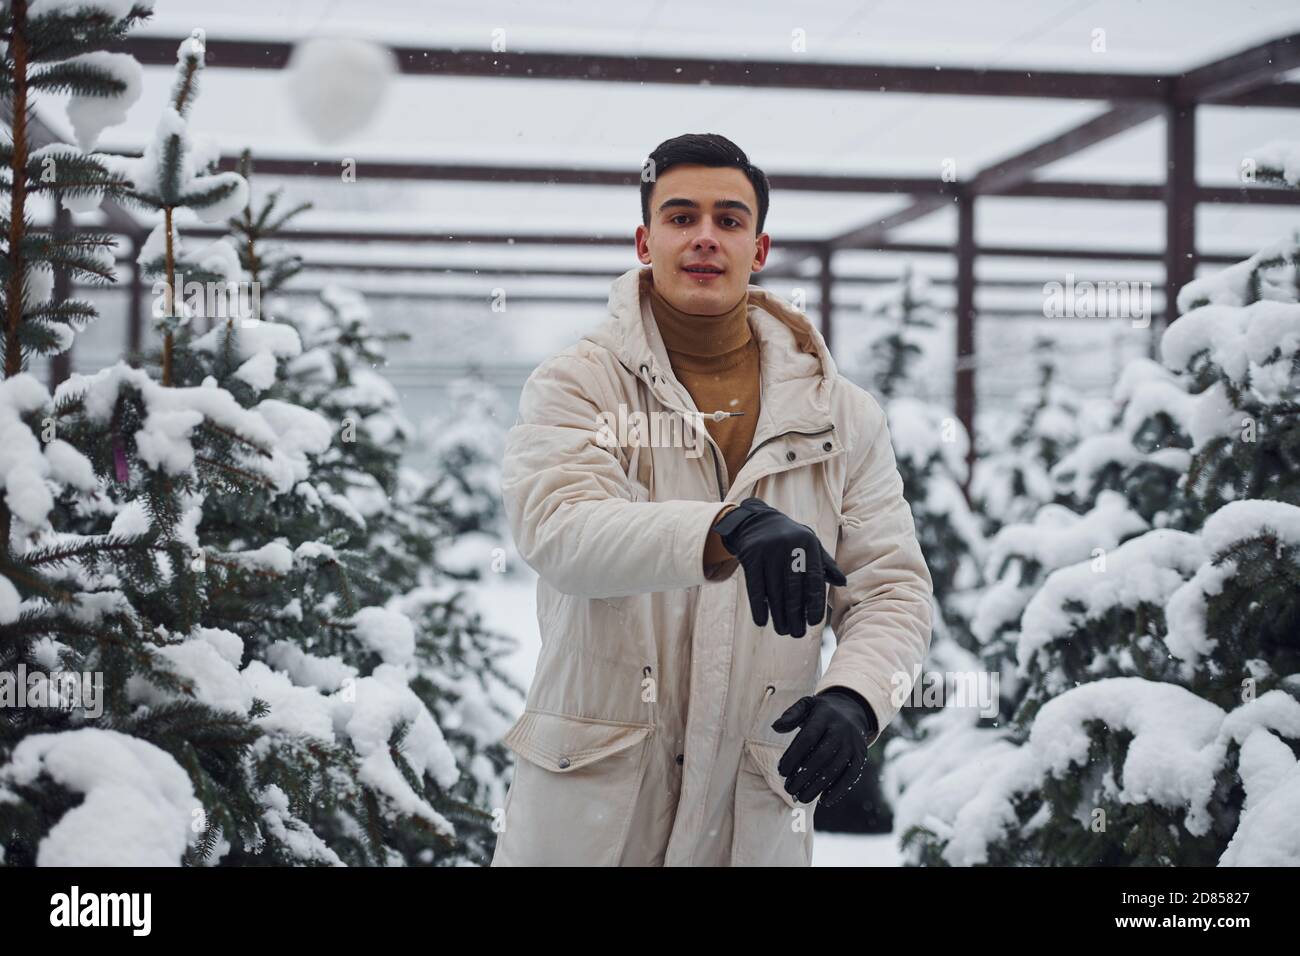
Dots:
(829, 754)
(764, 540)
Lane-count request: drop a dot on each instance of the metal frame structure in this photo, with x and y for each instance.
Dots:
(1250, 78)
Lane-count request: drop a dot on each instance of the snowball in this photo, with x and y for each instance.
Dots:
(336, 84)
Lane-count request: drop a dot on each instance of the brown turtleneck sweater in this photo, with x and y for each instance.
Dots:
(716, 358)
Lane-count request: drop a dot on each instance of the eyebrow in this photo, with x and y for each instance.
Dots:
(719, 204)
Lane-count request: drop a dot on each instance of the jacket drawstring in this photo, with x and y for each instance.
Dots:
(717, 416)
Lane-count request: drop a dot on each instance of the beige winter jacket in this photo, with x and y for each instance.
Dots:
(646, 737)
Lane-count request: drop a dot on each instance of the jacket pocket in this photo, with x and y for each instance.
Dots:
(770, 827)
(574, 790)
(777, 696)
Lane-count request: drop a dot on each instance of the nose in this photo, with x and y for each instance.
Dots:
(704, 241)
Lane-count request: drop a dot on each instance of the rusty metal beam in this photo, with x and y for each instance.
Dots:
(268, 54)
(1230, 76)
(1108, 254)
(1180, 201)
(826, 279)
(964, 370)
(1240, 73)
(294, 167)
(1277, 96)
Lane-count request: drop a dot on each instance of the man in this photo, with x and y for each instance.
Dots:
(678, 479)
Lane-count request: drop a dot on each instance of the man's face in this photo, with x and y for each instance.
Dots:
(702, 216)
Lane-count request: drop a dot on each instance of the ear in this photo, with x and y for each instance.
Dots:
(642, 245)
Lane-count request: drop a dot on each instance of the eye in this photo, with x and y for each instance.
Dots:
(732, 219)
(680, 215)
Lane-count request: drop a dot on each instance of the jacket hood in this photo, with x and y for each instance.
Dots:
(795, 366)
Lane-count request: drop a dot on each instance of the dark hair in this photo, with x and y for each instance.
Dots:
(702, 149)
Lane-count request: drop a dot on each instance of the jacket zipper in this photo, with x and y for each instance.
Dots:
(713, 454)
(722, 495)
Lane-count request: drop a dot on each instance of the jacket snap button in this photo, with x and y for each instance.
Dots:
(564, 762)
(826, 447)
(789, 456)
(680, 758)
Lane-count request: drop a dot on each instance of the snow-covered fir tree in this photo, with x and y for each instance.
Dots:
(465, 442)
(1156, 715)
(930, 444)
(395, 519)
(260, 697)
(904, 320)
(1011, 474)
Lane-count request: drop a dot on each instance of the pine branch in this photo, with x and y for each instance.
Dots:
(59, 555)
(35, 582)
(64, 34)
(346, 585)
(232, 469)
(236, 566)
(186, 83)
(78, 78)
(74, 312)
(237, 437)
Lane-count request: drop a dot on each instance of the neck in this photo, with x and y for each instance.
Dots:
(687, 333)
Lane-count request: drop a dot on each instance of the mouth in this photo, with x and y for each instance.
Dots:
(703, 272)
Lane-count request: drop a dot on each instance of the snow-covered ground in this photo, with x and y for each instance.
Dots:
(847, 849)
